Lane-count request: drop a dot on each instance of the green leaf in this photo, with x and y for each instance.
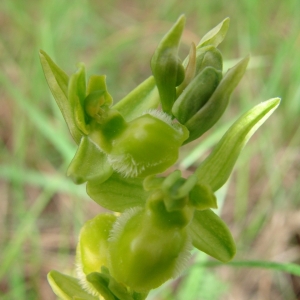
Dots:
(142, 98)
(76, 96)
(211, 235)
(166, 66)
(216, 35)
(67, 287)
(214, 108)
(58, 83)
(216, 168)
(89, 164)
(118, 193)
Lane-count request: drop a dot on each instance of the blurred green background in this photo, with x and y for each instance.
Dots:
(41, 210)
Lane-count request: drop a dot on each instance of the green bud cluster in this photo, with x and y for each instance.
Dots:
(122, 150)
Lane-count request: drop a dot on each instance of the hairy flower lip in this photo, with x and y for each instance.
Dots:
(130, 255)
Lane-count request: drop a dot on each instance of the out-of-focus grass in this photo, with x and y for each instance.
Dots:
(41, 210)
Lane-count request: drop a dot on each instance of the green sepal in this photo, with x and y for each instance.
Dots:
(66, 287)
(196, 94)
(176, 190)
(58, 83)
(100, 283)
(118, 193)
(104, 133)
(169, 201)
(216, 35)
(93, 106)
(166, 65)
(202, 197)
(98, 83)
(76, 96)
(89, 164)
(142, 98)
(211, 235)
(214, 108)
(217, 167)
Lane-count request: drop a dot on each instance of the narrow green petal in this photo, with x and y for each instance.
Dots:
(76, 95)
(142, 98)
(217, 167)
(118, 193)
(216, 35)
(211, 235)
(58, 83)
(89, 164)
(66, 287)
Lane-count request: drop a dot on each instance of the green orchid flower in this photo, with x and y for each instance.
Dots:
(133, 148)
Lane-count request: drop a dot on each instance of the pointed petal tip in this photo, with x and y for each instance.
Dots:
(226, 20)
(246, 59)
(273, 102)
(181, 18)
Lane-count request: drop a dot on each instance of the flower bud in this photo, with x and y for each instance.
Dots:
(166, 66)
(196, 94)
(208, 56)
(213, 109)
